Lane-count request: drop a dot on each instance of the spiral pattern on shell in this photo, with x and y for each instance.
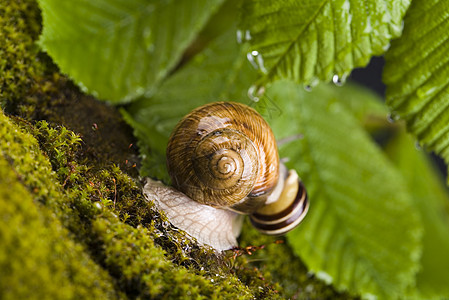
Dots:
(222, 153)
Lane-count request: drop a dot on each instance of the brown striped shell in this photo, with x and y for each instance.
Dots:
(224, 154)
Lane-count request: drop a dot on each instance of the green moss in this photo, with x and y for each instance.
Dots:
(37, 258)
(20, 69)
(144, 271)
(276, 261)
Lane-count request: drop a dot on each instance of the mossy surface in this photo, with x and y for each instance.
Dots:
(38, 259)
(273, 257)
(21, 69)
(86, 202)
(73, 220)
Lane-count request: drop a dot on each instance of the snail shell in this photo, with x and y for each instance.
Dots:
(223, 161)
(224, 155)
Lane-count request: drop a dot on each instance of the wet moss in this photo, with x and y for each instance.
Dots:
(37, 257)
(21, 71)
(275, 259)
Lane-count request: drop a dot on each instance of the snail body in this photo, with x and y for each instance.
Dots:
(218, 228)
(224, 156)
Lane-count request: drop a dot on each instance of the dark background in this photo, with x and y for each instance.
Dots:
(371, 76)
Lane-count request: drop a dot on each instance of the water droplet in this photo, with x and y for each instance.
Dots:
(251, 93)
(83, 88)
(260, 63)
(256, 92)
(391, 118)
(324, 276)
(239, 36)
(94, 93)
(308, 87)
(256, 60)
(338, 80)
(250, 58)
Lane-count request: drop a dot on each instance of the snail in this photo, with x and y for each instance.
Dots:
(224, 163)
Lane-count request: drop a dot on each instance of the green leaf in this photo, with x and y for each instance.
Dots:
(365, 105)
(120, 49)
(431, 199)
(361, 232)
(220, 72)
(308, 41)
(417, 74)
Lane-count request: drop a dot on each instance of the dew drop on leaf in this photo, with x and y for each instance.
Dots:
(250, 57)
(338, 80)
(255, 92)
(260, 62)
(391, 118)
(307, 87)
(252, 93)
